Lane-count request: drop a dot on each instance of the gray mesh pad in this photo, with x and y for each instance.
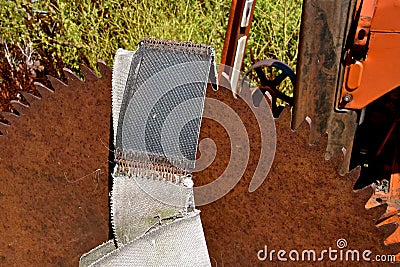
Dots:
(162, 79)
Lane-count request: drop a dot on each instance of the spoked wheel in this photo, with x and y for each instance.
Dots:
(270, 81)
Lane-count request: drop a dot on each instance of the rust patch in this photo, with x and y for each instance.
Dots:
(46, 220)
(303, 204)
(54, 173)
(319, 72)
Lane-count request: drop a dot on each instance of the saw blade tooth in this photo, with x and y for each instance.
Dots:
(332, 151)
(88, 74)
(4, 128)
(390, 220)
(21, 108)
(10, 117)
(393, 238)
(103, 68)
(56, 83)
(43, 90)
(70, 75)
(29, 97)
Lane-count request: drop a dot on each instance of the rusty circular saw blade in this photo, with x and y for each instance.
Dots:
(54, 172)
(303, 204)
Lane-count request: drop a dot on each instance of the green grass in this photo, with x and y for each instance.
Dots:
(275, 30)
(74, 32)
(274, 34)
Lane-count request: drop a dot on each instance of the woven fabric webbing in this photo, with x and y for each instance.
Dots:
(135, 211)
(180, 243)
(158, 99)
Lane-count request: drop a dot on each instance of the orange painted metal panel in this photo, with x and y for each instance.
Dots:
(381, 72)
(386, 17)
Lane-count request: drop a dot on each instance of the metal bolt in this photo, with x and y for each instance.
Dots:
(347, 98)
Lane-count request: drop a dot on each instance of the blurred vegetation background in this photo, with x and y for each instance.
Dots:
(39, 37)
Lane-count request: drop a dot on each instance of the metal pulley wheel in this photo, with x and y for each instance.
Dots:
(278, 71)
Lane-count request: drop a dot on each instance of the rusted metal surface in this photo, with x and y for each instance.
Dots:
(303, 203)
(366, 10)
(376, 47)
(49, 220)
(54, 173)
(322, 37)
(385, 194)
